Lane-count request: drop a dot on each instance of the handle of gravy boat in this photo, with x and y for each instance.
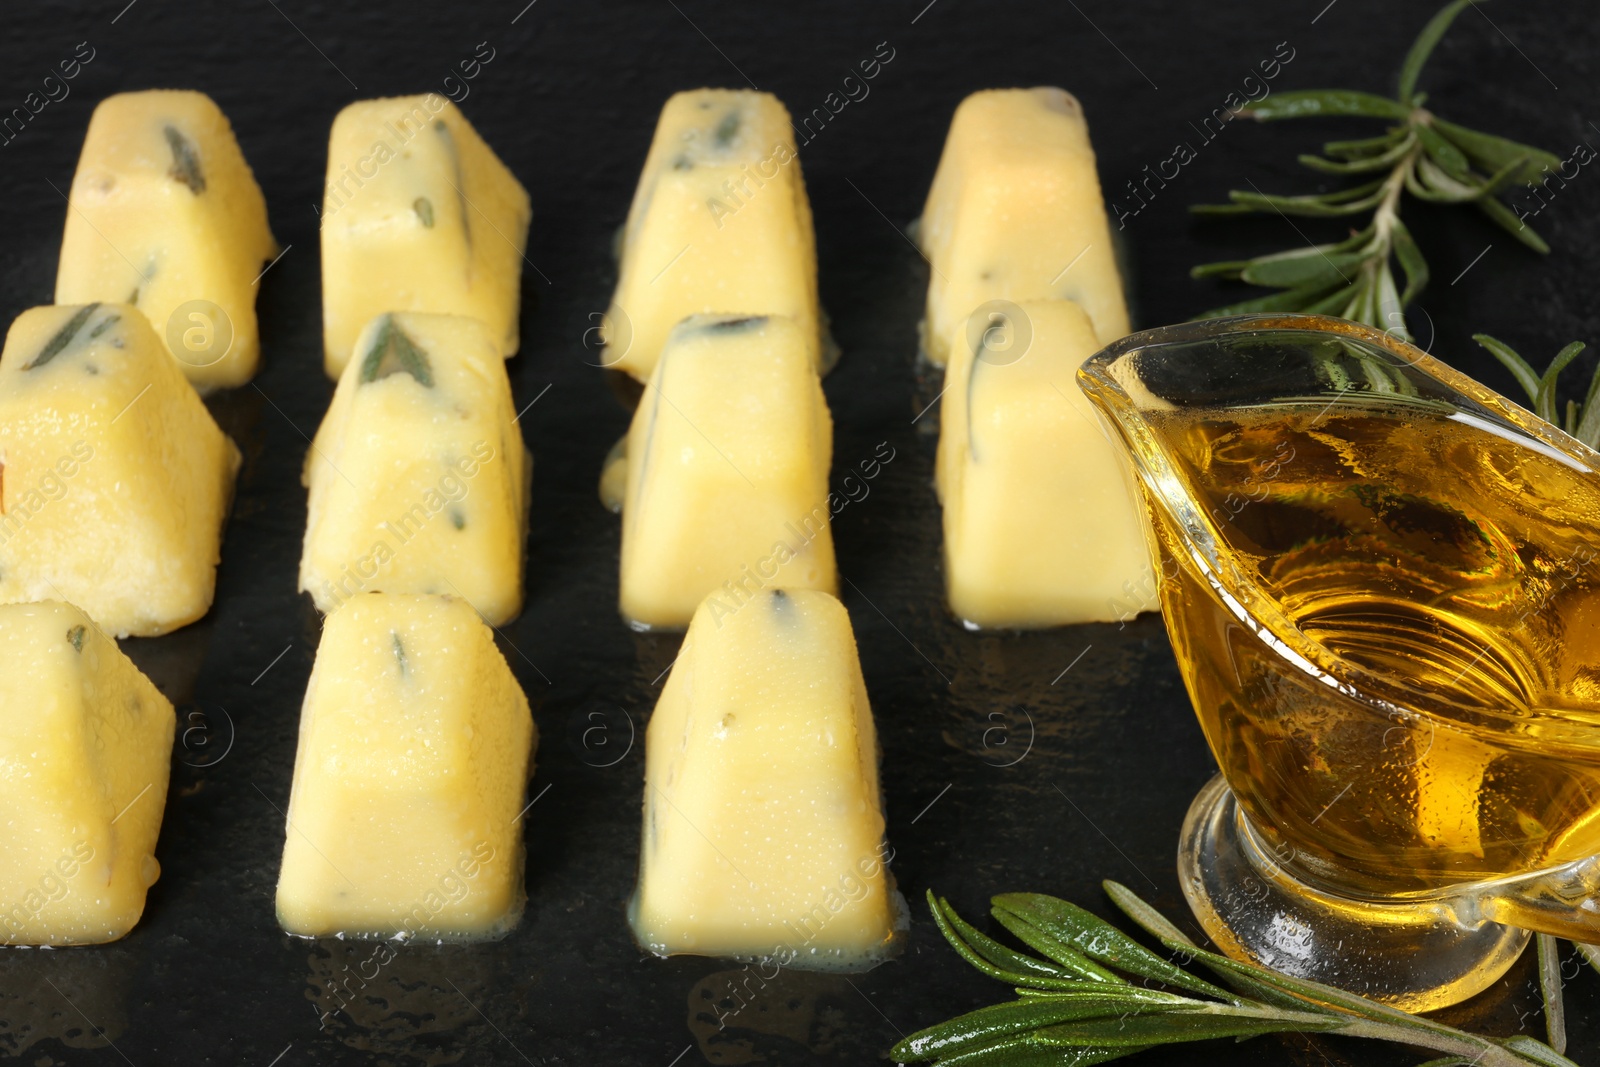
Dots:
(1561, 901)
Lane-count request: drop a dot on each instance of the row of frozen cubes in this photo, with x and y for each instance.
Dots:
(762, 836)
(717, 265)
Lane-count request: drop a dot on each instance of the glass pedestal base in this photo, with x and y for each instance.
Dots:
(1413, 955)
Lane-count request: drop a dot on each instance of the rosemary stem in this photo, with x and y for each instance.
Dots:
(1388, 209)
(1482, 1052)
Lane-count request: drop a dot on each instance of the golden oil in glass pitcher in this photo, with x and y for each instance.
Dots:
(1445, 577)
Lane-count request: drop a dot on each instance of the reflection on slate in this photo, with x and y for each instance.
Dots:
(395, 1000)
(771, 1015)
(80, 999)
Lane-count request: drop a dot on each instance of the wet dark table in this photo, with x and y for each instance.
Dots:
(569, 100)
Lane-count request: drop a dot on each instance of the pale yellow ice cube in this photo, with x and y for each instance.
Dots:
(114, 479)
(728, 454)
(415, 746)
(1015, 213)
(166, 215)
(85, 749)
(419, 214)
(1042, 524)
(763, 830)
(720, 224)
(418, 475)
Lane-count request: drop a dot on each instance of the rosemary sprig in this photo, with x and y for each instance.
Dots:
(1420, 153)
(1582, 420)
(1077, 1005)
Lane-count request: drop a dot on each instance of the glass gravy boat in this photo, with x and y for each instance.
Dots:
(1382, 584)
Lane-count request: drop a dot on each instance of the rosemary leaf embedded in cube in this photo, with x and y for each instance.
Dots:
(394, 352)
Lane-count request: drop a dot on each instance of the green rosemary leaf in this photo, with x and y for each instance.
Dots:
(1544, 401)
(1361, 164)
(1358, 294)
(1013, 1018)
(375, 354)
(1228, 268)
(1491, 152)
(1244, 982)
(1232, 270)
(1212, 1021)
(1549, 949)
(63, 337)
(1429, 181)
(1335, 166)
(1026, 1052)
(1537, 1051)
(1588, 431)
(1424, 45)
(1360, 192)
(1359, 242)
(185, 169)
(1099, 940)
(1501, 178)
(1358, 239)
(1364, 304)
(1423, 191)
(1221, 209)
(1508, 221)
(1365, 146)
(1411, 261)
(944, 917)
(997, 961)
(1338, 202)
(1043, 942)
(393, 352)
(1304, 103)
(1148, 919)
(1286, 300)
(424, 209)
(1320, 205)
(1525, 375)
(1334, 302)
(1381, 376)
(413, 358)
(1316, 265)
(1448, 1061)
(1442, 151)
(1390, 313)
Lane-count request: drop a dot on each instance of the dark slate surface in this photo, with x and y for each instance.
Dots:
(569, 101)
